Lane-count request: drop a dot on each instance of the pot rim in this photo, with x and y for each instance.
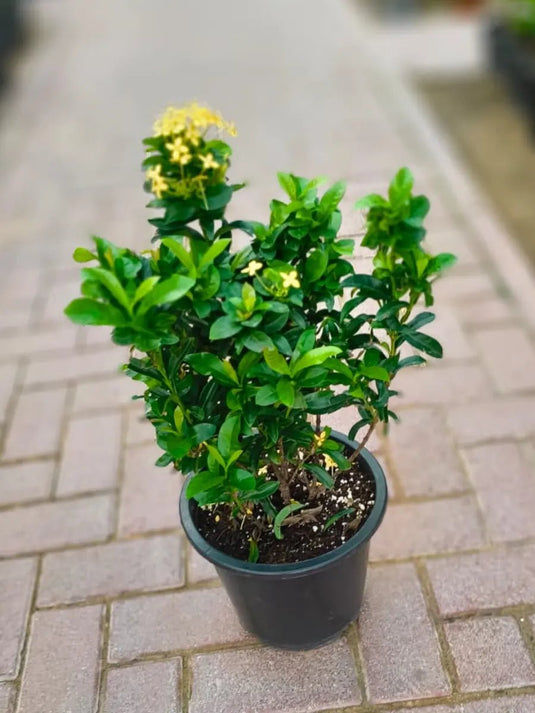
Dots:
(221, 559)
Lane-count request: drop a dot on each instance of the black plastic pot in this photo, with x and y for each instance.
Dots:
(304, 604)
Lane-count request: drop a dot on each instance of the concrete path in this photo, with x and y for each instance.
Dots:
(103, 607)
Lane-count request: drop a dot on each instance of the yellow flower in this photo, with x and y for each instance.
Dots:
(320, 440)
(252, 268)
(290, 279)
(208, 161)
(329, 462)
(192, 135)
(159, 183)
(178, 149)
(190, 118)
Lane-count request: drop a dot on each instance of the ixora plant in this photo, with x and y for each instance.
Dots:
(244, 353)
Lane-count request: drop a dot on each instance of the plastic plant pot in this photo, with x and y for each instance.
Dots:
(300, 605)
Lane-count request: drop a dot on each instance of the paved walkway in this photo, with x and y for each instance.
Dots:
(103, 608)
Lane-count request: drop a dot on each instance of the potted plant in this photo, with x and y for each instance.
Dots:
(242, 354)
(511, 41)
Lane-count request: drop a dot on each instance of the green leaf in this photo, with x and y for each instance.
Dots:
(411, 361)
(242, 479)
(373, 200)
(263, 491)
(321, 474)
(181, 253)
(401, 186)
(248, 296)
(337, 516)
(379, 373)
(201, 482)
(87, 311)
(420, 320)
(332, 197)
(170, 290)
(314, 357)
(254, 552)
(83, 255)
(441, 262)
(144, 288)
(276, 361)
(208, 364)
(202, 432)
(178, 417)
(286, 392)
(266, 395)
(257, 341)
(315, 265)
(287, 184)
(214, 251)
(223, 328)
(227, 439)
(216, 455)
(305, 342)
(110, 282)
(424, 343)
(281, 517)
(369, 285)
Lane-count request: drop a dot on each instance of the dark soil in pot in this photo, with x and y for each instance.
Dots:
(308, 536)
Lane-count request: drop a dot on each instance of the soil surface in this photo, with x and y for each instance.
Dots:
(303, 532)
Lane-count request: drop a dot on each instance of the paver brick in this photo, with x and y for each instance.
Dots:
(509, 417)
(452, 384)
(509, 356)
(111, 569)
(199, 569)
(424, 456)
(424, 528)
(505, 484)
(168, 622)
(464, 288)
(486, 580)
(7, 697)
(489, 653)
(91, 451)
(149, 495)
(449, 332)
(26, 481)
(144, 687)
(105, 393)
(399, 644)
(37, 342)
(36, 424)
(46, 526)
(505, 704)
(61, 671)
(266, 680)
(17, 579)
(8, 373)
(139, 429)
(68, 367)
(485, 312)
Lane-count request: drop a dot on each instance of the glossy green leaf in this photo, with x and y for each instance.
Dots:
(88, 311)
(165, 292)
(276, 361)
(314, 357)
(286, 392)
(83, 255)
(337, 516)
(281, 517)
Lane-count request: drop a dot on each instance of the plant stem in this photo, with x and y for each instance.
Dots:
(318, 424)
(282, 475)
(365, 440)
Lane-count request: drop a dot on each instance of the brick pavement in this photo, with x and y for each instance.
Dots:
(103, 606)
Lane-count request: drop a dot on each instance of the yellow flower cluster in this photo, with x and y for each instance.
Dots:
(159, 183)
(193, 118)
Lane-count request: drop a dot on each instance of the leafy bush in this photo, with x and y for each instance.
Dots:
(241, 354)
(520, 15)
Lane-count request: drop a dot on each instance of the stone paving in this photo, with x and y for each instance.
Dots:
(103, 606)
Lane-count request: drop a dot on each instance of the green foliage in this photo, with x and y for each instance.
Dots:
(520, 15)
(237, 350)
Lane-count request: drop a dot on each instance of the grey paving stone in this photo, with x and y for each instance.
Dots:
(436, 385)
(483, 420)
(199, 569)
(399, 644)
(149, 495)
(17, 579)
(111, 569)
(466, 583)
(7, 697)
(26, 481)
(169, 622)
(266, 681)
(47, 526)
(90, 459)
(68, 367)
(105, 393)
(424, 455)
(63, 659)
(36, 424)
(430, 527)
(144, 687)
(505, 484)
(8, 373)
(489, 653)
(509, 356)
